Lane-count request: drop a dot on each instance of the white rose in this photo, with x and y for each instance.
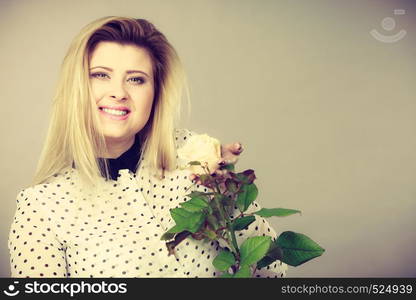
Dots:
(202, 148)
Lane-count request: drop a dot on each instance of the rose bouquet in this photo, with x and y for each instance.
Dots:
(208, 216)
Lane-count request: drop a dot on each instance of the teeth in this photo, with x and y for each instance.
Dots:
(114, 112)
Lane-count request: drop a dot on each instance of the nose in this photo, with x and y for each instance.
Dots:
(118, 92)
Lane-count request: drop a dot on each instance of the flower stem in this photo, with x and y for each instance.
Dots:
(230, 237)
(226, 218)
(232, 233)
(232, 241)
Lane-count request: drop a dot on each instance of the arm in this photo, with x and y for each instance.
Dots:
(34, 249)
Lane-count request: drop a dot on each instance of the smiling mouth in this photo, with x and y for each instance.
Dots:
(114, 112)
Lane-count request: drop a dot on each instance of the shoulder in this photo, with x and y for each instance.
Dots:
(54, 185)
(28, 201)
(24, 194)
(31, 195)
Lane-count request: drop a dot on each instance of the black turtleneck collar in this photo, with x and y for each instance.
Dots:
(127, 160)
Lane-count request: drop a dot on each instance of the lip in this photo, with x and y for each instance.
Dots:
(114, 117)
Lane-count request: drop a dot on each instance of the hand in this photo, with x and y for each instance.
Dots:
(229, 155)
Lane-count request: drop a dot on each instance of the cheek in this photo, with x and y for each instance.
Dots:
(148, 104)
(144, 101)
(97, 91)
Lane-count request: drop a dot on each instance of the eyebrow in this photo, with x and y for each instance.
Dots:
(128, 71)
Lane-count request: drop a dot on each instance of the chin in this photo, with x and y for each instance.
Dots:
(116, 135)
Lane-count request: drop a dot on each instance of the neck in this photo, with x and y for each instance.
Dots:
(115, 148)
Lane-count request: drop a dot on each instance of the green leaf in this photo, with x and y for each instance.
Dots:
(253, 249)
(194, 163)
(180, 215)
(264, 262)
(298, 248)
(195, 221)
(224, 260)
(195, 204)
(246, 196)
(243, 222)
(274, 253)
(276, 212)
(186, 220)
(244, 272)
(176, 229)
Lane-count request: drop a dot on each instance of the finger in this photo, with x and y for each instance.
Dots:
(237, 148)
(227, 148)
(221, 162)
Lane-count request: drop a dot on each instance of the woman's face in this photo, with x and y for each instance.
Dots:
(123, 88)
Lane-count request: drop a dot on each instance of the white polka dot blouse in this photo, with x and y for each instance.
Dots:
(58, 233)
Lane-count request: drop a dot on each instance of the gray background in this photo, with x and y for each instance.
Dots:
(325, 111)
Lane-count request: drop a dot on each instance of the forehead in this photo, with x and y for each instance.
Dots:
(121, 57)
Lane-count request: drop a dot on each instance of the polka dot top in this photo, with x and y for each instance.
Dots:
(59, 232)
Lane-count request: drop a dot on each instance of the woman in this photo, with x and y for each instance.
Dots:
(108, 174)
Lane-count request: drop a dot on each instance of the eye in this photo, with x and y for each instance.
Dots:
(137, 80)
(99, 75)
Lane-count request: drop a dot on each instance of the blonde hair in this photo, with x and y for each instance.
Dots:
(74, 135)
